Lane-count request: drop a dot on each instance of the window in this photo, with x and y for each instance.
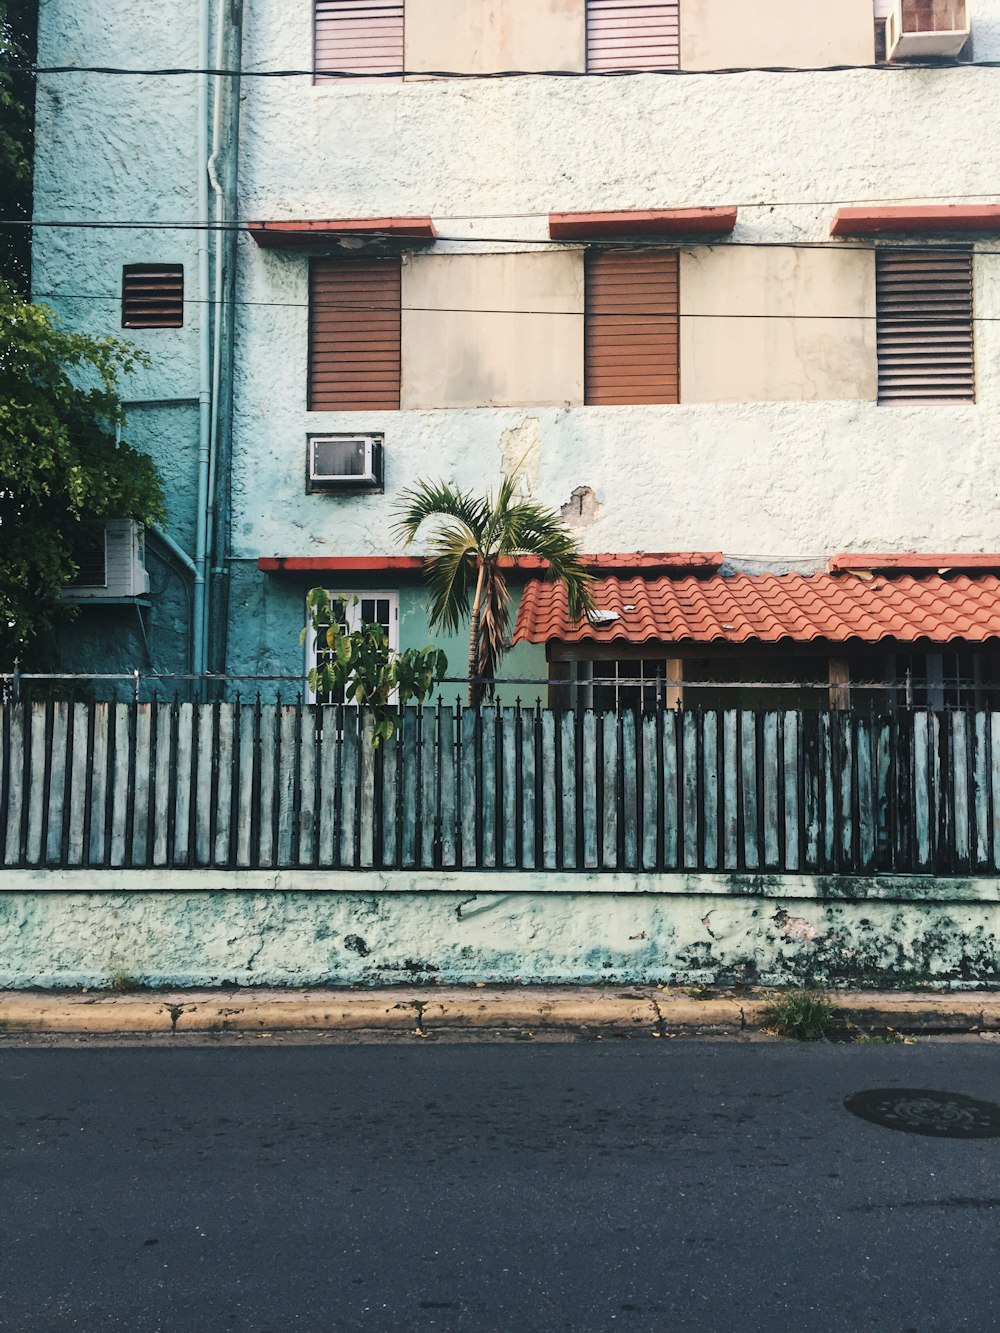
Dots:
(633, 34)
(925, 343)
(358, 37)
(153, 296)
(354, 335)
(632, 327)
(353, 609)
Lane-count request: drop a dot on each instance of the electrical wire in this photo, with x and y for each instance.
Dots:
(334, 75)
(644, 317)
(963, 245)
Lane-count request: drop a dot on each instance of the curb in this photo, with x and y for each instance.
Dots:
(419, 1011)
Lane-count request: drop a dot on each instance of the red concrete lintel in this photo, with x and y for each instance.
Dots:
(923, 218)
(913, 562)
(272, 234)
(642, 222)
(634, 561)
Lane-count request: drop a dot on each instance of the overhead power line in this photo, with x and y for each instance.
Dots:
(628, 243)
(324, 75)
(639, 317)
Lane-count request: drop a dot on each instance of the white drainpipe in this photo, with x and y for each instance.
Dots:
(219, 322)
(205, 347)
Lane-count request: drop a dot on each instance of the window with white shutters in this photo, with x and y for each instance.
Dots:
(358, 37)
(633, 35)
(925, 326)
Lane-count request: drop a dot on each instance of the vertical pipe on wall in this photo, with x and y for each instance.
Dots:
(220, 480)
(205, 344)
(219, 217)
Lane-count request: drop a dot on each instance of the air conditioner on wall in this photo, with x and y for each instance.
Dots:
(112, 561)
(916, 28)
(336, 462)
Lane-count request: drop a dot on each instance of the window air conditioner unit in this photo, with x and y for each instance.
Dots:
(338, 462)
(112, 560)
(916, 28)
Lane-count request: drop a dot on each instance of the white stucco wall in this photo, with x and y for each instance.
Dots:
(769, 483)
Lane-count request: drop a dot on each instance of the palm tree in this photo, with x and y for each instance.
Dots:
(472, 536)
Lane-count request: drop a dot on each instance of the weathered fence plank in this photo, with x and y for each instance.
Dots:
(237, 784)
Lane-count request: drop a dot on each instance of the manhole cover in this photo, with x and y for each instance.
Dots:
(942, 1115)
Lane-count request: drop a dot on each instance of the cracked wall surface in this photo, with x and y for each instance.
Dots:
(182, 938)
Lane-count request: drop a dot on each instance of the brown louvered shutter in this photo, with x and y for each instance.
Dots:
(632, 327)
(925, 343)
(354, 335)
(153, 296)
(633, 34)
(359, 36)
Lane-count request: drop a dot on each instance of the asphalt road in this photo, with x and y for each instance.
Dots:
(636, 1186)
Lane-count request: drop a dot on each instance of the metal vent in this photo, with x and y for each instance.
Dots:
(90, 555)
(925, 329)
(633, 35)
(358, 37)
(153, 296)
(354, 335)
(632, 327)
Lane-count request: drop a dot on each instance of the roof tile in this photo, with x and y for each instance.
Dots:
(769, 608)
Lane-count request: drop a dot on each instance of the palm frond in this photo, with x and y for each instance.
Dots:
(494, 623)
(451, 572)
(534, 530)
(436, 499)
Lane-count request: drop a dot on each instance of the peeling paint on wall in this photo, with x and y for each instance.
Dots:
(521, 453)
(582, 509)
(183, 938)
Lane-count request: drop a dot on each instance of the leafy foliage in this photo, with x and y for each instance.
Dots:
(799, 1014)
(61, 462)
(473, 534)
(364, 668)
(18, 25)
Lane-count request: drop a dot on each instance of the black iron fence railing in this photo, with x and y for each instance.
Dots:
(176, 784)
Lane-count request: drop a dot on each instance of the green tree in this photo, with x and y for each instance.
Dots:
(61, 462)
(360, 666)
(18, 28)
(472, 537)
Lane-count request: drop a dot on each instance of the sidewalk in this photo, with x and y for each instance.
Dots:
(579, 1010)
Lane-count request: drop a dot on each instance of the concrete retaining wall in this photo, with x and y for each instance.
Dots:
(204, 928)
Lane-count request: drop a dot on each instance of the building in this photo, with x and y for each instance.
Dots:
(713, 299)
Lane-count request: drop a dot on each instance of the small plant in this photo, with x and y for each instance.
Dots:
(361, 667)
(803, 1015)
(122, 983)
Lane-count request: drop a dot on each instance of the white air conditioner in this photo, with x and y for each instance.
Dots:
(917, 28)
(337, 461)
(112, 562)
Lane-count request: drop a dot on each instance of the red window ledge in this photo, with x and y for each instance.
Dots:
(656, 562)
(645, 222)
(270, 235)
(927, 219)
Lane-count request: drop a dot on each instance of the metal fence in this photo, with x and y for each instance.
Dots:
(255, 784)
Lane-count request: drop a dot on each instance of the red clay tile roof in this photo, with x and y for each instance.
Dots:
(769, 608)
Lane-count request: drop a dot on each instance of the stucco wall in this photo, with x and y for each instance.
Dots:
(492, 330)
(761, 325)
(71, 929)
(726, 34)
(505, 34)
(770, 484)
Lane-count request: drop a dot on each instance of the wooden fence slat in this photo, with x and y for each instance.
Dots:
(131, 784)
(630, 790)
(448, 808)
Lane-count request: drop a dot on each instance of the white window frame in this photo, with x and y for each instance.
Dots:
(352, 601)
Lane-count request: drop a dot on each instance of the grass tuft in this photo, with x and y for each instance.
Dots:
(122, 983)
(802, 1015)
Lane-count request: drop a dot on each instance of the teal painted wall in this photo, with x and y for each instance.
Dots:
(268, 613)
(59, 929)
